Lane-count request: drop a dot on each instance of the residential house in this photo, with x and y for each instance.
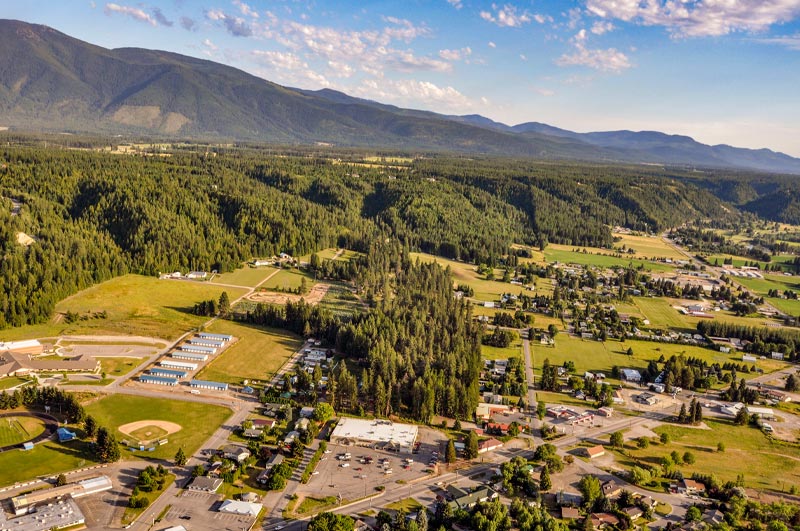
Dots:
(570, 513)
(601, 520)
(235, 453)
(690, 486)
(595, 451)
(489, 445)
(205, 484)
(633, 513)
(611, 488)
(631, 375)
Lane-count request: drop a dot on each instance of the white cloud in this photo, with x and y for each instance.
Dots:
(415, 93)
(492, 44)
(210, 45)
(523, 57)
(789, 41)
(133, 12)
(340, 69)
(609, 60)
(697, 18)
(541, 19)
(544, 92)
(455, 55)
(574, 16)
(288, 68)
(236, 26)
(506, 16)
(245, 9)
(458, 4)
(602, 27)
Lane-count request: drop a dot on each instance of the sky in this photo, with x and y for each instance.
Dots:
(721, 71)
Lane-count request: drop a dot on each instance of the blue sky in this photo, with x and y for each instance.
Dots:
(721, 71)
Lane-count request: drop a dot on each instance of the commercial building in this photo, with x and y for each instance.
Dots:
(214, 386)
(199, 341)
(171, 373)
(158, 380)
(22, 362)
(761, 412)
(241, 508)
(375, 434)
(205, 484)
(176, 364)
(29, 346)
(58, 514)
(32, 501)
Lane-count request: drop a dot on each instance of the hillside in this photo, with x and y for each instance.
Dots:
(52, 82)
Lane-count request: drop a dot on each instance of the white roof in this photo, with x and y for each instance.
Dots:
(759, 410)
(16, 345)
(376, 430)
(175, 528)
(240, 507)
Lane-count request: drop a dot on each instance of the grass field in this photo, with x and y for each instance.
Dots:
(778, 282)
(495, 353)
(198, 420)
(258, 353)
(118, 366)
(135, 305)
(409, 505)
(661, 314)
(46, 458)
(17, 430)
(287, 279)
(596, 257)
(340, 300)
(12, 381)
(246, 276)
(765, 463)
(783, 260)
(648, 247)
(589, 355)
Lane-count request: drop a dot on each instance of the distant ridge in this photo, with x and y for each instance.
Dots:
(50, 81)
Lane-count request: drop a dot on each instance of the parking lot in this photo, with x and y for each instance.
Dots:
(368, 468)
(197, 511)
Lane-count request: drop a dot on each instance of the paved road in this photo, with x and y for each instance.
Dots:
(526, 349)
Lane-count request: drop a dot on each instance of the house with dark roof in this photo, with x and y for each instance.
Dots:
(205, 484)
(601, 520)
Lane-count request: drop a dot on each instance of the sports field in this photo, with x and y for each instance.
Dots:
(134, 305)
(46, 458)
(765, 463)
(245, 276)
(17, 430)
(197, 420)
(257, 355)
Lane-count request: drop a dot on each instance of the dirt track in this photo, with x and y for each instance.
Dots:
(314, 296)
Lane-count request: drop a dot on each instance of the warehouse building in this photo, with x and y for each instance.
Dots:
(33, 501)
(183, 355)
(199, 341)
(57, 514)
(175, 364)
(219, 337)
(375, 434)
(158, 380)
(170, 373)
(208, 351)
(214, 386)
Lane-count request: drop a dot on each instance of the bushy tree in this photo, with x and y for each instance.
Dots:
(180, 457)
(327, 521)
(450, 453)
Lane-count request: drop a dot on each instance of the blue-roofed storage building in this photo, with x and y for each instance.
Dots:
(219, 337)
(170, 373)
(214, 386)
(65, 435)
(158, 380)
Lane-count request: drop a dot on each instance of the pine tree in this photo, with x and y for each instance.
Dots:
(545, 483)
(180, 457)
(90, 427)
(450, 454)
(471, 451)
(224, 305)
(682, 416)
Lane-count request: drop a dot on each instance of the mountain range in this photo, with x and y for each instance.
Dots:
(52, 82)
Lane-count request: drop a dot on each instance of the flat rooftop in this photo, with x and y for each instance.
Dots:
(56, 514)
(376, 430)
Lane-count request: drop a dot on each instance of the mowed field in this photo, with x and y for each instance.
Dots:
(118, 366)
(648, 246)
(17, 430)
(287, 279)
(765, 463)
(591, 355)
(198, 420)
(514, 350)
(135, 305)
(257, 355)
(568, 254)
(45, 459)
(661, 314)
(779, 282)
(246, 276)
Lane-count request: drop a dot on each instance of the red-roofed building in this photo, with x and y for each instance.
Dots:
(489, 445)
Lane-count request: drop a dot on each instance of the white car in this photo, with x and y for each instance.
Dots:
(344, 465)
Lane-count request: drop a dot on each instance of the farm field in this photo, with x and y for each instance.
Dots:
(118, 366)
(45, 459)
(245, 276)
(134, 304)
(258, 353)
(197, 420)
(567, 254)
(648, 246)
(661, 314)
(779, 282)
(287, 279)
(340, 300)
(328, 254)
(17, 430)
(765, 463)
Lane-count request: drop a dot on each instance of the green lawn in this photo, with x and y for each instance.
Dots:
(661, 313)
(118, 366)
(46, 458)
(246, 276)
(592, 257)
(17, 430)
(288, 279)
(199, 420)
(783, 260)
(135, 305)
(258, 353)
(12, 381)
(764, 462)
(312, 505)
(496, 353)
(131, 514)
(408, 505)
